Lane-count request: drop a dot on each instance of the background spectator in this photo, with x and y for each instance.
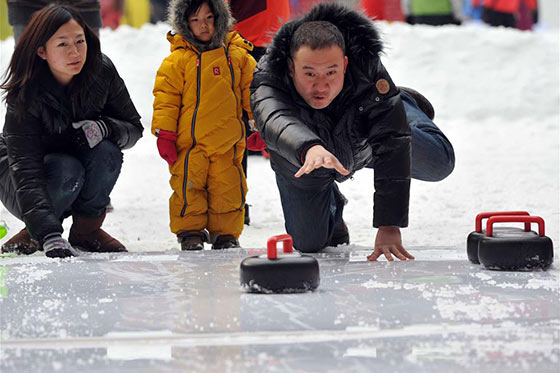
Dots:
(510, 13)
(433, 12)
(111, 12)
(20, 11)
(158, 10)
(389, 10)
(258, 20)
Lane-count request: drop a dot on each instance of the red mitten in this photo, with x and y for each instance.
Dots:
(166, 146)
(255, 142)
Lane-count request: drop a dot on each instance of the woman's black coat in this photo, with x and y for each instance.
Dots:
(47, 128)
(362, 127)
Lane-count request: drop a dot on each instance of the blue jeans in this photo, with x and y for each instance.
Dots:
(433, 158)
(80, 182)
(311, 215)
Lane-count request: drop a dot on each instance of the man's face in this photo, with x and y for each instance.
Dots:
(318, 75)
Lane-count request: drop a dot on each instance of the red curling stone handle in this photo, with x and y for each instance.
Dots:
(272, 242)
(515, 219)
(486, 215)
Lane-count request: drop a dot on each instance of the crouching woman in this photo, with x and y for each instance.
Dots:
(68, 117)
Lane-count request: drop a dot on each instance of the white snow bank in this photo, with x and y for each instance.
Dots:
(496, 95)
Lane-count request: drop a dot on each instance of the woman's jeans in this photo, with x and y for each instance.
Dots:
(311, 215)
(80, 182)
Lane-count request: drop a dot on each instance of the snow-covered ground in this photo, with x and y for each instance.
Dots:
(497, 98)
(496, 95)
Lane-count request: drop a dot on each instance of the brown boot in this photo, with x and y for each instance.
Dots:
(21, 243)
(87, 235)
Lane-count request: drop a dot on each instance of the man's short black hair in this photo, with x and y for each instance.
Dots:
(317, 35)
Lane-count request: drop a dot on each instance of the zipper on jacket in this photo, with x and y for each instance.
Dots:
(193, 122)
(240, 122)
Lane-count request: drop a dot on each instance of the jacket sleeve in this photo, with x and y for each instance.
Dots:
(119, 112)
(168, 93)
(26, 162)
(247, 69)
(276, 116)
(389, 137)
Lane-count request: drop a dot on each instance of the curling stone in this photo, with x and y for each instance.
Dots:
(474, 237)
(518, 250)
(288, 272)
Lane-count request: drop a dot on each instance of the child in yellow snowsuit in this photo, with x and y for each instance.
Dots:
(200, 91)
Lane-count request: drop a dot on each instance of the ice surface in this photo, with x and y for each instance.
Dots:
(164, 311)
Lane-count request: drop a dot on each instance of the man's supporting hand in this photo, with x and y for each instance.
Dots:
(388, 242)
(317, 156)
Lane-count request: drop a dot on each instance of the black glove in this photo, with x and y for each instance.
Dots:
(91, 132)
(57, 247)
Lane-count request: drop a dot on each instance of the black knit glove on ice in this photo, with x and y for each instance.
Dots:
(57, 247)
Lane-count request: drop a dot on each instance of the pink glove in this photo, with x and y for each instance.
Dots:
(166, 146)
(255, 142)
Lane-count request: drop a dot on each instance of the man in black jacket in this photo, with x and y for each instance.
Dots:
(326, 107)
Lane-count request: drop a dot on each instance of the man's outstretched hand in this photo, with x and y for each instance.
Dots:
(317, 156)
(388, 242)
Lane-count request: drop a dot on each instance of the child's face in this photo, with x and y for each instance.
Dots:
(201, 23)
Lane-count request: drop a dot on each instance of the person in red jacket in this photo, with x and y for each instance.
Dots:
(507, 13)
(258, 20)
(389, 10)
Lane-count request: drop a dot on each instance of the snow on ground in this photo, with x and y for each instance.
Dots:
(496, 95)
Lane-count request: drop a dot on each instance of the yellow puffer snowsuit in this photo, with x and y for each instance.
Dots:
(200, 96)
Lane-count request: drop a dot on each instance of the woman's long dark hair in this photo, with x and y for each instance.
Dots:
(22, 75)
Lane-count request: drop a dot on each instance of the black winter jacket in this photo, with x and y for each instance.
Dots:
(361, 127)
(47, 128)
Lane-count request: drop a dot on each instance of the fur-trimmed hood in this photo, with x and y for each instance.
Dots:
(363, 43)
(223, 22)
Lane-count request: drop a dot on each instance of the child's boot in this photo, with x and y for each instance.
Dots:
(225, 241)
(192, 240)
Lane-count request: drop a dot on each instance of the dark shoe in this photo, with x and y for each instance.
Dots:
(192, 240)
(21, 243)
(87, 235)
(421, 101)
(340, 235)
(225, 241)
(247, 219)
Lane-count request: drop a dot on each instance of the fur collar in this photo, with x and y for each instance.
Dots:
(363, 43)
(222, 23)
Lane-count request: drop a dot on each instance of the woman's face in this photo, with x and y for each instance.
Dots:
(65, 52)
(201, 23)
